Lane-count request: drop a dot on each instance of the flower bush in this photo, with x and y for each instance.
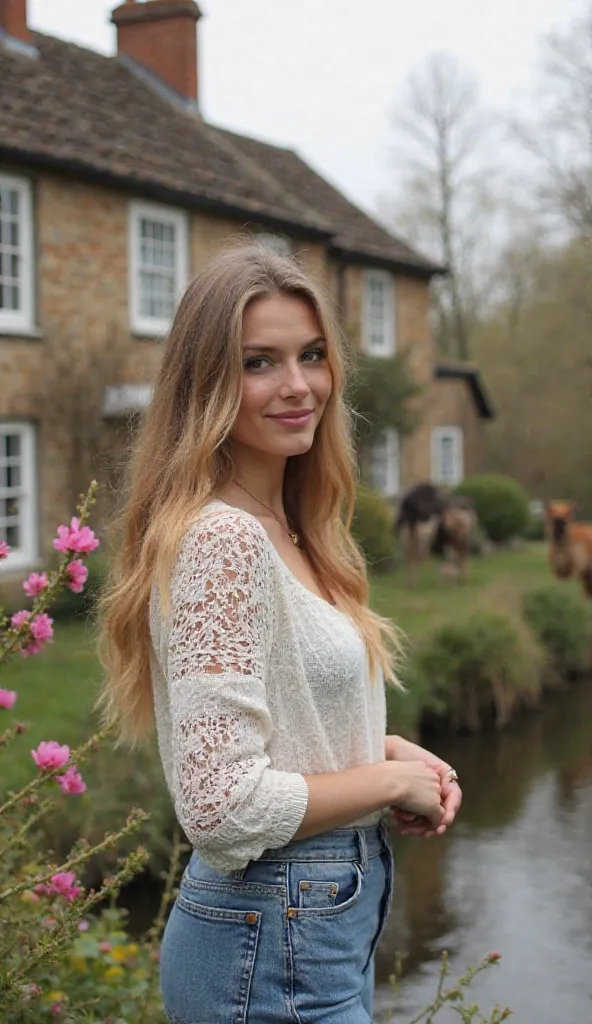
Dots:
(60, 958)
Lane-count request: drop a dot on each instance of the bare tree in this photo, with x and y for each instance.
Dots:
(560, 137)
(445, 197)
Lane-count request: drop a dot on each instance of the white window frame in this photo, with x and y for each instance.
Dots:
(280, 244)
(387, 346)
(388, 442)
(138, 211)
(22, 321)
(27, 554)
(439, 435)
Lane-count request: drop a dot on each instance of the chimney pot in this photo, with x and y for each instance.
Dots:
(161, 35)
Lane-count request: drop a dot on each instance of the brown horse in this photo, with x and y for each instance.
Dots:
(570, 544)
(429, 520)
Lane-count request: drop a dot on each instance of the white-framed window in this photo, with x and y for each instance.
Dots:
(280, 244)
(385, 463)
(17, 311)
(447, 456)
(18, 494)
(158, 261)
(378, 313)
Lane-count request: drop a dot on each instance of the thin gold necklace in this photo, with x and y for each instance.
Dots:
(291, 533)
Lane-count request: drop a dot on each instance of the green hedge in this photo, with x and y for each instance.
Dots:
(501, 503)
(372, 527)
(560, 619)
(477, 670)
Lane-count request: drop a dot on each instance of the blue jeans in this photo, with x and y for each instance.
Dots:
(289, 938)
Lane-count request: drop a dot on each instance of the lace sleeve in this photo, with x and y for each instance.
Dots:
(231, 804)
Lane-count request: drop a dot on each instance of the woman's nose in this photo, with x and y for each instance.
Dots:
(294, 382)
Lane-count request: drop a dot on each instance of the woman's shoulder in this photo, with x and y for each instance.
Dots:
(222, 531)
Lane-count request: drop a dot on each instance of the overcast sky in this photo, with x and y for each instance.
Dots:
(323, 76)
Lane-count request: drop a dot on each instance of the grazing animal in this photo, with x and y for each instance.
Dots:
(455, 533)
(416, 522)
(428, 519)
(570, 544)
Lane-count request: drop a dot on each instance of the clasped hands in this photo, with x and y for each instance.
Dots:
(409, 824)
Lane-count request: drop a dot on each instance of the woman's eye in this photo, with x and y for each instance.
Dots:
(314, 355)
(256, 363)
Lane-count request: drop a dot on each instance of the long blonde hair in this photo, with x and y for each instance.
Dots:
(181, 459)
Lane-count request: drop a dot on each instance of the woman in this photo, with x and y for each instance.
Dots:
(238, 619)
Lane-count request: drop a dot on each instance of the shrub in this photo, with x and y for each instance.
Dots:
(561, 621)
(501, 504)
(479, 669)
(43, 902)
(372, 527)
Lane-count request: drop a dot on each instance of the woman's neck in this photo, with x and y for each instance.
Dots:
(262, 477)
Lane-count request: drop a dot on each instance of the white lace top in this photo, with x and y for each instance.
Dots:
(257, 682)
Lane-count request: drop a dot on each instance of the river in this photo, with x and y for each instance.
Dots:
(514, 874)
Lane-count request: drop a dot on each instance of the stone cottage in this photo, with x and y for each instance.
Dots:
(113, 191)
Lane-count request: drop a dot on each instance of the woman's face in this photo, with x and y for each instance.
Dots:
(286, 377)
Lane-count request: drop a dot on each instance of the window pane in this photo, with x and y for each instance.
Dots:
(11, 445)
(10, 254)
(448, 459)
(12, 535)
(9, 508)
(12, 476)
(158, 266)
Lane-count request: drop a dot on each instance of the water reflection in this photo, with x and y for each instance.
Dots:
(514, 875)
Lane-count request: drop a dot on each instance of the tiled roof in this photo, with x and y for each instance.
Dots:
(78, 111)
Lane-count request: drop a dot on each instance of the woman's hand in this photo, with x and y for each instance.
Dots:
(398, 749)
(418, 792)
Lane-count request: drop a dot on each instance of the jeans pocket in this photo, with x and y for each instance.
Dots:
(324, 887)
(207, 961)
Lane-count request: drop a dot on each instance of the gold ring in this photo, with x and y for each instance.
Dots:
(453, 777)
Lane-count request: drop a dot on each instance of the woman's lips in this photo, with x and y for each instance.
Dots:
(294, 419)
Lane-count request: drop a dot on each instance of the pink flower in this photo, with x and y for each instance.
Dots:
(19, 618)
(35, 584)
(56, 1009)
(75, 538)
(7, 698)
(30, 992)
(104, 947)
(42, 889)
(83, 926)
(42, 627)
(71, 781)
(42, 632)
(64, 885)
(50, 755)
(78, 574)
(4, 549)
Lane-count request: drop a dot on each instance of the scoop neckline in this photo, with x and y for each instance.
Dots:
(286, 568)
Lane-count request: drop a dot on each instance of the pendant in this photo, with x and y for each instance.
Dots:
(295, 539)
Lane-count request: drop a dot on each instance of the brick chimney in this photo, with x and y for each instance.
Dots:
(13, 19)
(161, 35)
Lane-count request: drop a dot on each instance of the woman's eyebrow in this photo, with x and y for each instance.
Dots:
(271, 350)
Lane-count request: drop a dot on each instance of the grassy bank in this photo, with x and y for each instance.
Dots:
(437, 600)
